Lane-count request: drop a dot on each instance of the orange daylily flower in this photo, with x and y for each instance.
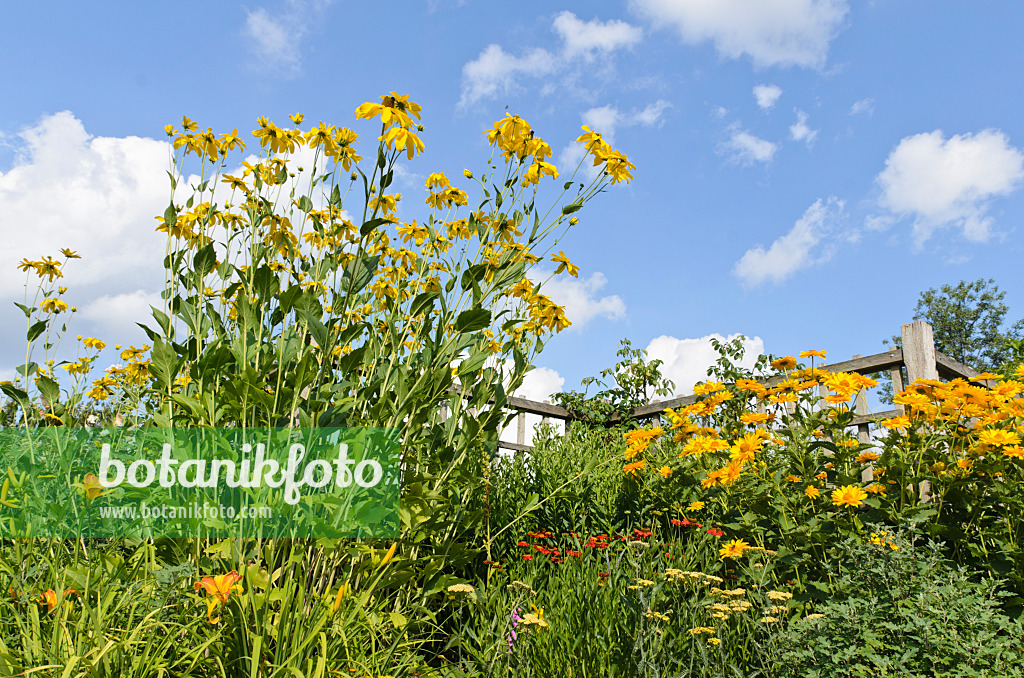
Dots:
(218, 589)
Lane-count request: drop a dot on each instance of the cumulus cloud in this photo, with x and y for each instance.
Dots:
(275, 39)
(800, 131)
(744, 148)
(808, 243)
(581, 297)
(866, 106)
(767, 95)
(686, 361)
(943, 182)
(496, 71)
(770, 32)
(95, 195)
(115, 315)
(585, 38)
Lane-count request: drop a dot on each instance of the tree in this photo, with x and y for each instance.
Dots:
(967, 322)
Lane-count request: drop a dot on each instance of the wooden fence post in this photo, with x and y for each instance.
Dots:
(919, 357)
(521, 428)
(863, 430)
(919, 351)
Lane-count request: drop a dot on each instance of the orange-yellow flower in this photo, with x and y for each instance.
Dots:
(785, 363)
(812, 354)
(812, 492)
(733, 548)
(849, 495)
(218, 590)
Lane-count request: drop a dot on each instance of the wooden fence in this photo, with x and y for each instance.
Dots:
(917, 356)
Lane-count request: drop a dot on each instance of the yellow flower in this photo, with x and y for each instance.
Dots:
(401, 139)
(812, 354)
(998, 438)
(632, 468)
(393, 109)
(867, 457)
(733, 548)
(849, 495)
(218, 589)
(53, 306)
(695, 506)
(297, 118)
(812, 492)
(565, 265)
(785, 363)
(69, 254)
(665, 471)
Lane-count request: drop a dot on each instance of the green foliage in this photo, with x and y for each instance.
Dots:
(635, 381)
(967, 322)
(905, 612)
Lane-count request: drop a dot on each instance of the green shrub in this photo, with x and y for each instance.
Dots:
(902, 609)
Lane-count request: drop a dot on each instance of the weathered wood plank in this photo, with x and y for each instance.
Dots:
(514, 446)
(919, 350)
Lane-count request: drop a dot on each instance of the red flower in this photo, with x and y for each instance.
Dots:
(715, 532)
(604, 574)
(573, 553)
(528, 556)
(522, 543)
(555, 560)
(641, 533)
(496, 566)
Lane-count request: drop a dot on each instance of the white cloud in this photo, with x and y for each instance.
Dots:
(949, 182)
(863, 106)
(496, 71)
(686, 361)
(276, 39)
(771, 32)
(800, 131)
(584, 38)
(746, 149)
(540, 384)
(95, 195)
(580, 297)
(114, 317)
(767, 95)
(805, 245)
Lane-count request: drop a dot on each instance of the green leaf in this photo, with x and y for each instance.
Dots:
(163, 363)
(572, 207)
(368, 226)
(313, 324)
(205, 260)
(14, 392)
(25, 309)
(37, 328)
(423, 303)
(49, 388)
(305, 204)
(170, 216)
(472, 320)
(26, 370)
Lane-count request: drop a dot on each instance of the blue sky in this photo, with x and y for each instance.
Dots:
(804, 167)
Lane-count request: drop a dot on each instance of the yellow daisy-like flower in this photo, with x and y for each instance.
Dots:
(812, 354)
(785, 363)
(812, 492)
(695, 506)
(998, 438)
(665, 471)
(733, 548)
(849, 495)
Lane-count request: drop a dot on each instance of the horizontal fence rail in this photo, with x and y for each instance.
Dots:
(918, 356)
